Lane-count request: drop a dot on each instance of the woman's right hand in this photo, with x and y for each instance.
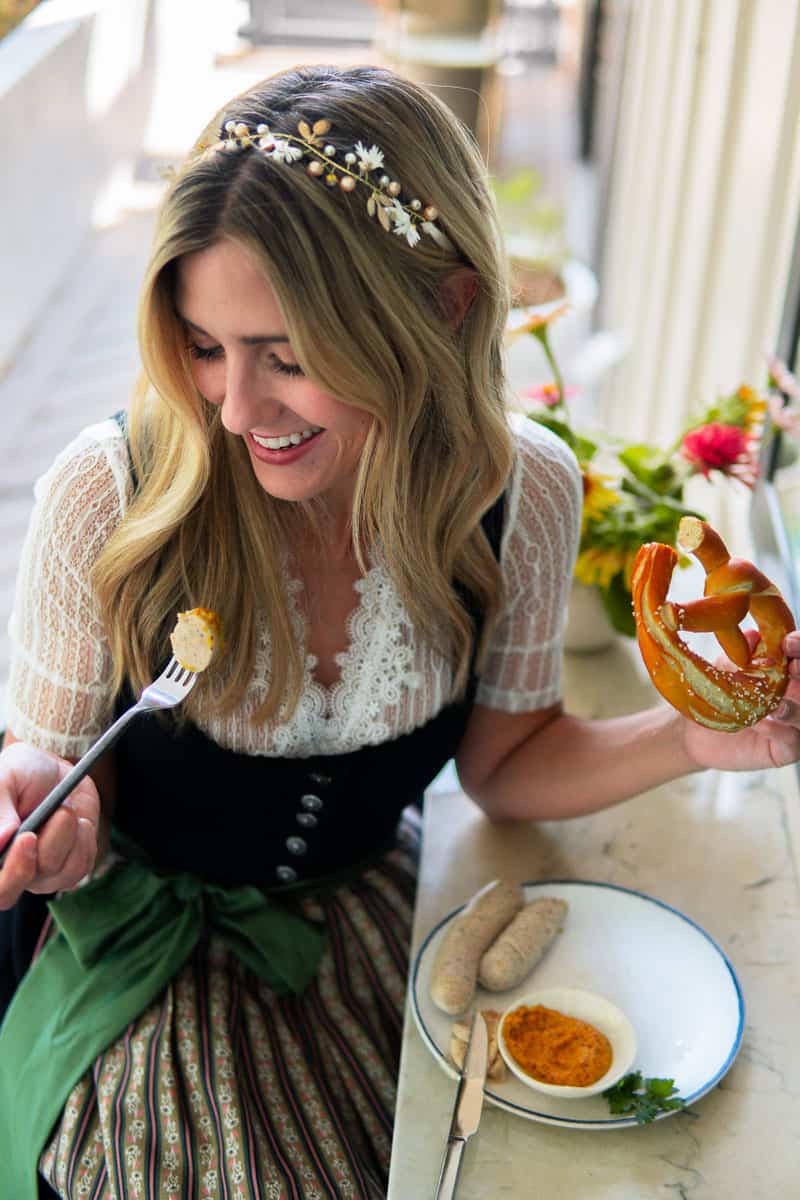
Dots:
(64, 850)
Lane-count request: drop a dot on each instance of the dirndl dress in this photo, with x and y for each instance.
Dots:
(259, 1066)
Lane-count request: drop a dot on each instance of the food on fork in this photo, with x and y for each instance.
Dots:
(196, 638)
(459, 1040)
(520, 946)
(455, 968)
(720, 699)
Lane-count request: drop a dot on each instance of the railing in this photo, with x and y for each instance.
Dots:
(74, 95)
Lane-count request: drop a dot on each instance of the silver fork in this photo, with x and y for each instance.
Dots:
(168, 689)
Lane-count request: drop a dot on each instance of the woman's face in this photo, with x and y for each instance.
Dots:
(302, 442)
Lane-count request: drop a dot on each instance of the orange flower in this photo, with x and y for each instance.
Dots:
(536, 322)
(756, 408)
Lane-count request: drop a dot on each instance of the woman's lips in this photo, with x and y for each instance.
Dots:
(283, 457)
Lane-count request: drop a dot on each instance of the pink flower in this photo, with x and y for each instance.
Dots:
(782, 378)
(725, 448)
(785, 416)
(547, 393)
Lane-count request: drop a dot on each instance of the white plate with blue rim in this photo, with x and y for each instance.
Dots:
(663, 970)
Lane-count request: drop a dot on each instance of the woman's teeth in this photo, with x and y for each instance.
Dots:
(289, 439)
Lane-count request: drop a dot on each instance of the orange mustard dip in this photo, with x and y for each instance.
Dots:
(554, 1048)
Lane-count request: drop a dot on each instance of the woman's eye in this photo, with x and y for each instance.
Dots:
(205, 352)
(212, 353)
(283, 368)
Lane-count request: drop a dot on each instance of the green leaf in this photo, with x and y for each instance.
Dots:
(636, 487)
(661, 1087)
(643, 1099)
(626, 1086)
(621, 1095)
(651, 466)
(618, 605)
(583, 449)
(732, 409)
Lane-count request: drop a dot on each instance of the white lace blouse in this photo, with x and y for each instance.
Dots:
(390, 682)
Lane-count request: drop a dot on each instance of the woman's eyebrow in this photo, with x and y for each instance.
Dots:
(254, 340)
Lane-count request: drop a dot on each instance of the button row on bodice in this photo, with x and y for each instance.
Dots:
(310, 804)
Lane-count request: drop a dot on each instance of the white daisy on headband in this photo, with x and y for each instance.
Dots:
(284, 151)
(368, 160)
(403, 224)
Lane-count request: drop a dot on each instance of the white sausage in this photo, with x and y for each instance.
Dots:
(196, 638)
(517, 950)
(455, 968)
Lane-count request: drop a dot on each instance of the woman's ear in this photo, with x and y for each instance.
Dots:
(457, 291)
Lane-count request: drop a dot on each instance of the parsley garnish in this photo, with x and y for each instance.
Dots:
(643, 1098)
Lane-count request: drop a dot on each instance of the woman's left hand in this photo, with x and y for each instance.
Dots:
(773, 742)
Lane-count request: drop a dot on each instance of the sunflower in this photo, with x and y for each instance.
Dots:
(598, 497)
(597, 565)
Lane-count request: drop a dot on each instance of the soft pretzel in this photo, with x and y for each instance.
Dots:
(725, 700)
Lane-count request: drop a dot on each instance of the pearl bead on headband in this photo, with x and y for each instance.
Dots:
(359, 163)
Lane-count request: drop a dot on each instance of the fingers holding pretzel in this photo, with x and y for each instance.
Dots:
(724, 700)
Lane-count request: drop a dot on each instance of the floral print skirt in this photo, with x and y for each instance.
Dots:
(221, 1089)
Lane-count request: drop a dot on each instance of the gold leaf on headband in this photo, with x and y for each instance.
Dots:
(371, 206)
(321, 127)
(305, 130)
(383, 217)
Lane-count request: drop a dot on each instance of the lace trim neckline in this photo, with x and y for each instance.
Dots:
(375, 665)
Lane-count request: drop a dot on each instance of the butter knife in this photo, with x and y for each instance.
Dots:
(467, 1110)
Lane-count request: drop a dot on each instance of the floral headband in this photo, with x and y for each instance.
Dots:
(359, 163)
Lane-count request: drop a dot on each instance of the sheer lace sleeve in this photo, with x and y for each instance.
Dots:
(59, 685)
(540, 543)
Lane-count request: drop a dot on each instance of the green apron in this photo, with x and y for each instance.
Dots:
(119, 941)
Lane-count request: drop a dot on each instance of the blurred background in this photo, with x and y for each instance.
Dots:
(644, 153)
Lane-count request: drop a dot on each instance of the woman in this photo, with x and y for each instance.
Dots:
(320, 452)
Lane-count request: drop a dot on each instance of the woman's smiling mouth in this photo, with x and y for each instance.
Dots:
(281, 441)
(285, 448)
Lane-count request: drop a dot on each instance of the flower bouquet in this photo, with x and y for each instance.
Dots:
(633, 493)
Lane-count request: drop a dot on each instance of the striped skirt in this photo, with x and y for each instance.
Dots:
(222, 1090)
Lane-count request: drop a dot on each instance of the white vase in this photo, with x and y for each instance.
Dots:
(588, 629)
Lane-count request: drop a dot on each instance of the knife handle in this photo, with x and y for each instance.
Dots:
(451, 1165)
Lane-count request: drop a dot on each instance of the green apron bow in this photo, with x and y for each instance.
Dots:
(120, 940)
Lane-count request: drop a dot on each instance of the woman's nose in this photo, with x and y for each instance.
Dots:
(248, 402)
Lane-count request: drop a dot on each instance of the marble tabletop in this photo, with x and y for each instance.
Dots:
(722, 848)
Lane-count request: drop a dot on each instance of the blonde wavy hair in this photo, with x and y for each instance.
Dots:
(364, 316)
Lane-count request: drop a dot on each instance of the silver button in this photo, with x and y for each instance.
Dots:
(318, 777)
(286, 874)
(296, 845)
(308, 820)
(312, 803)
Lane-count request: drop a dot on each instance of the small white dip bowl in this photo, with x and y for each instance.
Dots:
(585, 1006)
